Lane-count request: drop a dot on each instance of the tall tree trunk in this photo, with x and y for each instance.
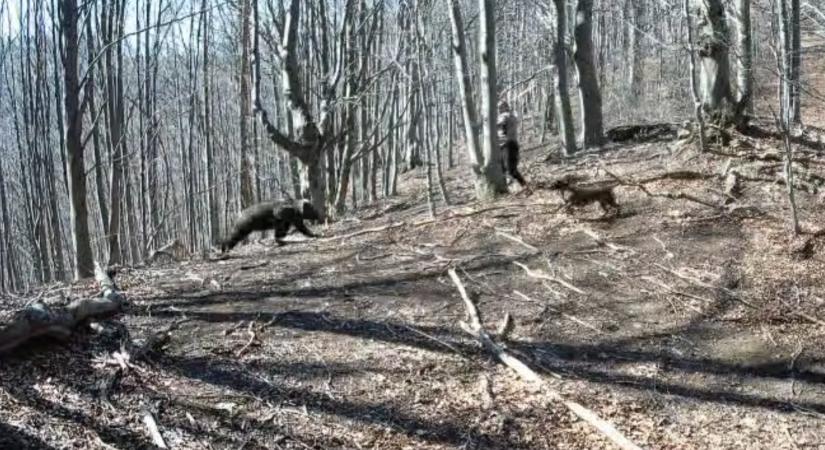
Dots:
(714, 74)
(309, 144)
(564, 114)
(211, 192)
(636, 76)
(589, 94)
(89, 94)
(79, 214)
(494, 182)
(744, 76)
(489, 180)
(786, 63)
(796, 62)
(9, 263)
(694, 85)
(115, 109)
(247, 187)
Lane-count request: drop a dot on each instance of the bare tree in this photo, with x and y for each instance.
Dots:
(589, 94)
(489, 180)
(796, 62)
(79, 214)
(211, 194)
(112, 29)
(698, 113)
(564, 115)
(744, 75)
(493, 183)
(636, 75)
(310, 142)
(714, 67)
(247, 191)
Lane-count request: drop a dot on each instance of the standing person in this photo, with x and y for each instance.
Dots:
(507, 125)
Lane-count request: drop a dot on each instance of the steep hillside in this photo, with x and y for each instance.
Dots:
(687, 324)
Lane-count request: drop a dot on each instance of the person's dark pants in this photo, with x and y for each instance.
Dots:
(509, 161)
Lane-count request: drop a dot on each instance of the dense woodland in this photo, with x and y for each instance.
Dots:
(127, 125)
(655, 283)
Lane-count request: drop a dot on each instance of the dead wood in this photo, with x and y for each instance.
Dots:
(644, 132)
(545, 276)
(253, 336)
(570, 317)
(154, 432)
(59, 322)
(365, 231)
(517, 240)
(733, 187)
(728, 292)
(475, 328)
(670, 195)
(171, 249)
(687, 175)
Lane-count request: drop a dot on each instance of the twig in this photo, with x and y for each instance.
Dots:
(564, 314)
(544, 276)
(152, 426)
(526, 373)
(670, 195)
(250, 330)
(600, 241)
(433, 338)
(701, 283)
(671, 290)
(365, 231)
(517, 240)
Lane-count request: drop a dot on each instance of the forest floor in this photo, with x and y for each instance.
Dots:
(685, 325)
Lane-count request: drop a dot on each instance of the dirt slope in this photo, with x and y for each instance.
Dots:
(693, 328)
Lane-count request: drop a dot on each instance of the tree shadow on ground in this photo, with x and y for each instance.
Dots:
(14, 438)
(226, 373)
(579, 361)
(51, 363)
(404, 281)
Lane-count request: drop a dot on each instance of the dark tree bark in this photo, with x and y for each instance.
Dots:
(79, 214)
(589, 94)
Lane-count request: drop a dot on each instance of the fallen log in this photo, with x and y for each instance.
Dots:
(39, 319)
(475, 328)
(644, 132)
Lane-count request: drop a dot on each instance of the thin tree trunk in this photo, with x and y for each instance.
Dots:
(84, 264)
(489, 180)
(698, 112)
(636, 77)
(211, 193)
(247, 192)
(564, 114)
(589, 94)
(796, 62)
(493, 183)
(744, 77)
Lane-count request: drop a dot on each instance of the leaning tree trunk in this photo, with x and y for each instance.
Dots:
(589, 94)
(78, 212)
(714, 72)
(564, 115)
